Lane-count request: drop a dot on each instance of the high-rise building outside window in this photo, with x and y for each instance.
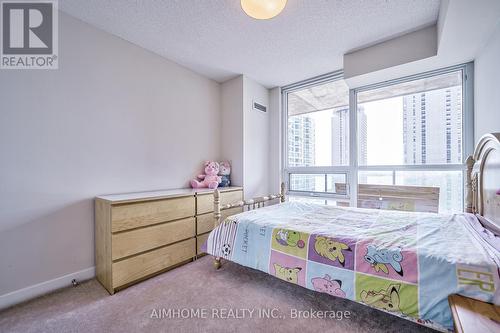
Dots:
(410, 131)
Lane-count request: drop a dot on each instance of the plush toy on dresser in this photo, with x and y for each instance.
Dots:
(225, 173)
(210, 178)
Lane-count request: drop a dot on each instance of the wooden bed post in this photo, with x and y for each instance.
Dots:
(469, 206)
(217, 216)
(282, 192)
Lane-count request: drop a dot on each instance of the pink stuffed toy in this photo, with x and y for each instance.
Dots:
(210, 178)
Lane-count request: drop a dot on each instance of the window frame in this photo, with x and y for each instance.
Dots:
(287, 170)
(351, 170)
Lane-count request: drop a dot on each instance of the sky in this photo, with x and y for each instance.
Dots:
(323, 141)
(384, 127)
(385, 131)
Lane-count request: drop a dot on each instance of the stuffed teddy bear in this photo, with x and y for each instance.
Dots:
(210, 178)
(224, 172)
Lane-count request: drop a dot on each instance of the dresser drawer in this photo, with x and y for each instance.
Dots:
(205, 222)
(134, 241)
(134, 215)
(200, 240)
(205, 202)
(142, 265)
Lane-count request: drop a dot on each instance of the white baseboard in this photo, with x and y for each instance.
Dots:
(39, 289)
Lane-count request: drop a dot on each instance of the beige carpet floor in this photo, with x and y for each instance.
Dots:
(89, 308)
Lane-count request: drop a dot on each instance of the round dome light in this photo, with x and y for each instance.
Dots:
(263, 9)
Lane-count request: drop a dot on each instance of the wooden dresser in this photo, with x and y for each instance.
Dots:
(138, 235)
(471, 315)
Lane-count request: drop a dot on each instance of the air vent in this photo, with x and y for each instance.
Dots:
(259, 107)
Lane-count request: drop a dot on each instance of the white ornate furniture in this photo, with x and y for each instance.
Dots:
(258, 202)
(483, 179)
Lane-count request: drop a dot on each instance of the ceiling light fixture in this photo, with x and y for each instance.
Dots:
(263, 9)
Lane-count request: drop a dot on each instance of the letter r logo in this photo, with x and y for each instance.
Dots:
(27, 27)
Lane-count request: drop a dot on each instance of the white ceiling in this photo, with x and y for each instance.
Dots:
(464, 28)
(215, 37)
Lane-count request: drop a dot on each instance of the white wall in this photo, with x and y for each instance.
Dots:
(113, 118)
(232, 127)
(256, 139)
(407, 48)
(462, 28)
(275, 136)
(487, 87)
(246, 134)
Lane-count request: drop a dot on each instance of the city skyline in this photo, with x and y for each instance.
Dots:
(427, 129)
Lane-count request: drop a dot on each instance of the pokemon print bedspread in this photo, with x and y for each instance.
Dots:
(403, 263)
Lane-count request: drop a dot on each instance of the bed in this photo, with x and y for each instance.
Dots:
(403, 263)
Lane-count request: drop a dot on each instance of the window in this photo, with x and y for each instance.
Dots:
(318, 125)
(318, 183)
(410, 131)
(317, 154)
(413, 130)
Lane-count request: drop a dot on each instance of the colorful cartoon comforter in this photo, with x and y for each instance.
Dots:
(403, 263)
